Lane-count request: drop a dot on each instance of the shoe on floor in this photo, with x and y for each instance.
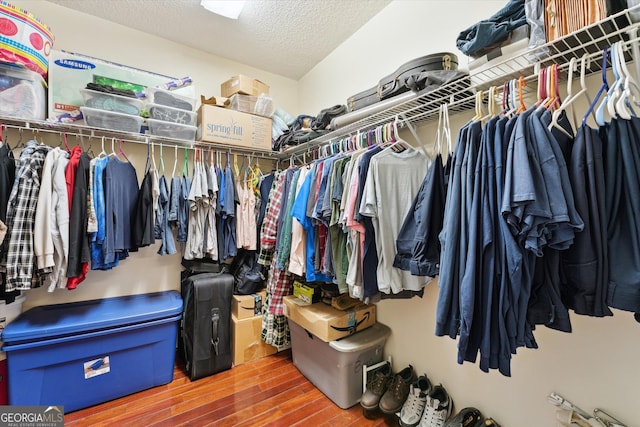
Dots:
(413, 407)
(437, 409)
(393, 399)
(376, 387)
(467, 417)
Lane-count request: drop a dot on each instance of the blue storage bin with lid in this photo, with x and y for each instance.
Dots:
(83, 353)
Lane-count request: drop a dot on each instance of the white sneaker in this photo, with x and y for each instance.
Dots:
(413, 407)
(437, 408)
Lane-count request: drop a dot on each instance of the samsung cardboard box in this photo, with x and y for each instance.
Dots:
(69, 72)
(243, 85)
(246, 341)
(246, 306)
(233, 128)
(326, 322)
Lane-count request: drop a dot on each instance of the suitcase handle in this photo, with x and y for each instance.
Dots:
(215, 339)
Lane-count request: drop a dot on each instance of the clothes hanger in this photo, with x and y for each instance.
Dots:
(175, 161)
(631, 90)
(554, 100)
(185, 163)
(161, 159)
(479, 98)
(567, 100)
(102, 153)
(615, 89)
(603, 89)
(521, 84)
(121, 151)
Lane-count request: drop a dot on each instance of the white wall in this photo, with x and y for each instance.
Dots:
(594, 366)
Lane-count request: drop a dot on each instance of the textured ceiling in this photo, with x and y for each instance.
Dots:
(285, 37)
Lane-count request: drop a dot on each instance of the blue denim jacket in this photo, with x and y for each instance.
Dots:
(474, 40)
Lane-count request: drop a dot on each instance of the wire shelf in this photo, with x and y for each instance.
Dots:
(460, 94)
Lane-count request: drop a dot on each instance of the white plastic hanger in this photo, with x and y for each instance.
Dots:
(631, 90)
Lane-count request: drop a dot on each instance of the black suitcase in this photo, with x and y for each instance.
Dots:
(404, 78)
(418, 74)
(206, 323)
(363, 99)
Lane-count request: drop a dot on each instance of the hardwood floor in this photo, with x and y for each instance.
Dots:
(266, 392)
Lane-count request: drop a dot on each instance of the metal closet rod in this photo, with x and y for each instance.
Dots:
(144, 139)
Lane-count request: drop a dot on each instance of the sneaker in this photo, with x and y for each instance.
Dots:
(467, 417)
(393, 399)
(414, 405)
(376, 387)
(437, 409)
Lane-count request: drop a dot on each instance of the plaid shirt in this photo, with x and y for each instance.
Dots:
(275, 329)
(21, 217)
(270, 224)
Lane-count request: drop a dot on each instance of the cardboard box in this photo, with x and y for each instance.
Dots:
(246, 306)
(246, 344)
(229, 127)
(326, 322)
(244, 85)
(306, 293)
(69, 72)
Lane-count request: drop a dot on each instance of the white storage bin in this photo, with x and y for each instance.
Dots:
(335, 367)
(170, 99)
(22, 93)
(110, 102)
(173, 115)
(111, 120)
(171, 130)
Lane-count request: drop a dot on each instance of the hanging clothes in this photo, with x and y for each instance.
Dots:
(211, 227)
(298, 253)
(143, 221)
(120, 192)
(198, 209)
(301, 213)
(388, 207)
(167, 246)
(79, 254)
(21, 210)
(99, 238)
(246, 234)
(228, 204)
(618, 258)
(59, 218)
(418, 246)
(42, 233)
(275, 330)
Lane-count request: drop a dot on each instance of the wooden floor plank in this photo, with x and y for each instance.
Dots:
(266, 392)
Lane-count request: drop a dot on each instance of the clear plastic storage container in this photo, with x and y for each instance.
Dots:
(171, 130)
(170, 99)
(110, 102)
(22, 93)
(173, 115)
(111, 120)
(259, 105)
